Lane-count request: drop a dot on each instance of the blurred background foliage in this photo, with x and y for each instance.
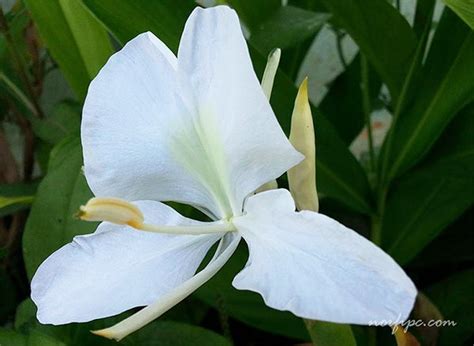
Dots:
(392, 85)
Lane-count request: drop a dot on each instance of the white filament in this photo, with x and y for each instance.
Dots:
(210, 227)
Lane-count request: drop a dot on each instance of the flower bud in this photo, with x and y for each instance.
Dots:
(302, 177)
(404, 337)
(271, 185)
(270, 71)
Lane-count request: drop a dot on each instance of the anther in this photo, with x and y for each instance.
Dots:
(113, 210)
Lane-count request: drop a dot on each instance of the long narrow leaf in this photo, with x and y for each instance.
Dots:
(74, 38)
(51, 223)
(464, 9)
(447, 87)
(437, 193)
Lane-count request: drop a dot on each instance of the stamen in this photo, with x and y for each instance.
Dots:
(113, 210)
(155, 310)
(121, 212)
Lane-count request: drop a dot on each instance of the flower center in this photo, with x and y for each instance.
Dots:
(121, 212)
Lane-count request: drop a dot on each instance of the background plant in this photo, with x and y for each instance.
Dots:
(406, 68)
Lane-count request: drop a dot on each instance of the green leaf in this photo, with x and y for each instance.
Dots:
(15, 197)
(437, 193)
(454, 298)
(159, 332)
(423, 16)
(74, 38)
(293, 57)
(17, 23)
(286, 27)
(330, 334)
(339, 174)
(12, 338)
(247, 306)
(72, 334)
(343, 103)
(25, 311)
(51, 223)
(9, 201)
(12, 88)
(383, 36)
(126, 19)
(167, 333)
(464, 9)
(254, 12)
(446, 86)
(64, 121)
(457, 236)
(8, 290)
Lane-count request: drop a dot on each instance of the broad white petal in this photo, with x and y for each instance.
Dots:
(134, 124)
(315, 267)
(117, 268)
(243, 143)
(226, 248)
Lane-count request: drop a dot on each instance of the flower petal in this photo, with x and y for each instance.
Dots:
(226, 248)
(315, 267)
(133, 124)
(117, 268)
(244, 143)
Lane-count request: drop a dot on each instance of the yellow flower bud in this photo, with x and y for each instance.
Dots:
(404, 337)
(271, 185)
(302, 177)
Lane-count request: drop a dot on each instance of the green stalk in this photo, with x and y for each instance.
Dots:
(17, 93)
(365, 88)
(340, 50)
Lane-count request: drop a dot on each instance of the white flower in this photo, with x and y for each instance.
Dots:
(199, 130)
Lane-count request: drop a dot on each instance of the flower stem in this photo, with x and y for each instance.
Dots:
(17, 92)
(376, 228)
(340, 50)
(365, 88)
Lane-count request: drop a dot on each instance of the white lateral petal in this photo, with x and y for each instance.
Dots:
(134, 126)
(245, 146)
(226, 248)
(315, 267)
(117, 268)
